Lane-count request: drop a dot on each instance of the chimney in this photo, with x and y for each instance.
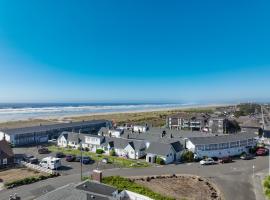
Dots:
(97, 175)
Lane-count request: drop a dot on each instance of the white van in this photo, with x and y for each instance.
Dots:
(50, 163)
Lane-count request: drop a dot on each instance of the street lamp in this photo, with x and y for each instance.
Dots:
(253, 167)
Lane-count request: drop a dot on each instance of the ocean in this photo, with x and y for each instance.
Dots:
(26, 111)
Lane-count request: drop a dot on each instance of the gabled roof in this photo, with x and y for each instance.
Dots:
(177, 146)
(137, 145)
(159, 148)
(5, 149)
(73, 137)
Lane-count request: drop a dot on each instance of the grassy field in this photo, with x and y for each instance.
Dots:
(121, 162)
(156, 118)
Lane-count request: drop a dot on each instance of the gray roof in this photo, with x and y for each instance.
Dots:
(118, 143)
(44, 128)
(159, 148)
(83, 191)
(73, 137)
(222, 138)
(95, 187)
(137, 145)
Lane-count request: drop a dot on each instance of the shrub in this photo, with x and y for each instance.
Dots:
(86, 149)
(188, 156)
(112, 152)
(266, 186)
(160, 161)
(99, 151)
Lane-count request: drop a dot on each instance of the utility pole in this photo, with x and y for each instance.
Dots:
(80, 141)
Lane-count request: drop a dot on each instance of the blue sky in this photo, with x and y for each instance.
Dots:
(126, 50)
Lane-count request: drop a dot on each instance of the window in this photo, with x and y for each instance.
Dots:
(243, 143)
(213, 146)
(223, 146)
(207, 147)
(250, 142)
(200, 147)
(4, 161)
(234, 144)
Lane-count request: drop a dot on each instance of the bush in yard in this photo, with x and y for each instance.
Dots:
(188, 156)
(112, 152)
(266, 186)
(160, 161)
(99, 151)
(86, 149)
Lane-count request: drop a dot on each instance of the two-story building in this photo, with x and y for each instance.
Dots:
(222, 145)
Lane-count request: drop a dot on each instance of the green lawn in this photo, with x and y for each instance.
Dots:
(121, 162)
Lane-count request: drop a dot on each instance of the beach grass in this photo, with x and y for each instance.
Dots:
(155, 118)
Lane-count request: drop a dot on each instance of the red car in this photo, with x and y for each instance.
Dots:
(225, 160)
(262, 152)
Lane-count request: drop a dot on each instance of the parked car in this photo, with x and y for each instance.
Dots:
(78, 159)
(27, 157)
(86, 160)
(105, 160)
(208, 161)
(246, 157)
(59, 155)
(43, 150)
(70, 158)
(33, 160)
(262, 151)
(225, 160)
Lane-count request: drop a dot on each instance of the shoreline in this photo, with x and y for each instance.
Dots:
(118, 116)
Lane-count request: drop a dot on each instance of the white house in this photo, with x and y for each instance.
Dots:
(93, 142)
(115, 132)
(169, 152)
(71, 139)
(221, 146)
(135, 149)
(140, 129)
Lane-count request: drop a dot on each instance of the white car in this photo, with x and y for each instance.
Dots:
(207, 161)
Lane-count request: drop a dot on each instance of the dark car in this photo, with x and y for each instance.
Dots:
(70, 158)
(59, 155)
(33, 160)
(225, 160)
(27, 157)
(86, 159)
(246, 157)
(78, 159)
(43, 150)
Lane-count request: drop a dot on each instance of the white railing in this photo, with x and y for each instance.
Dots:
(38, 168)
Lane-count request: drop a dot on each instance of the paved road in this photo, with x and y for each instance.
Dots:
(234, 179)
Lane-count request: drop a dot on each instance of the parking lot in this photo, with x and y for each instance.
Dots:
(67, 167)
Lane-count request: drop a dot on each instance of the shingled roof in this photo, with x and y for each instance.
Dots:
(5, 149)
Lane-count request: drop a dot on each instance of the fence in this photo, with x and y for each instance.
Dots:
(38, 168)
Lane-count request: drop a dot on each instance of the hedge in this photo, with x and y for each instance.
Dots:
(126, 184)
(160, 161)
(99, 151)
(266, 186)
(28, 180)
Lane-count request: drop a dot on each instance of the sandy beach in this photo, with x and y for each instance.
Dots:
(155, 116)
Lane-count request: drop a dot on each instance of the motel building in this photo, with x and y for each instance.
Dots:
(221, 146)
